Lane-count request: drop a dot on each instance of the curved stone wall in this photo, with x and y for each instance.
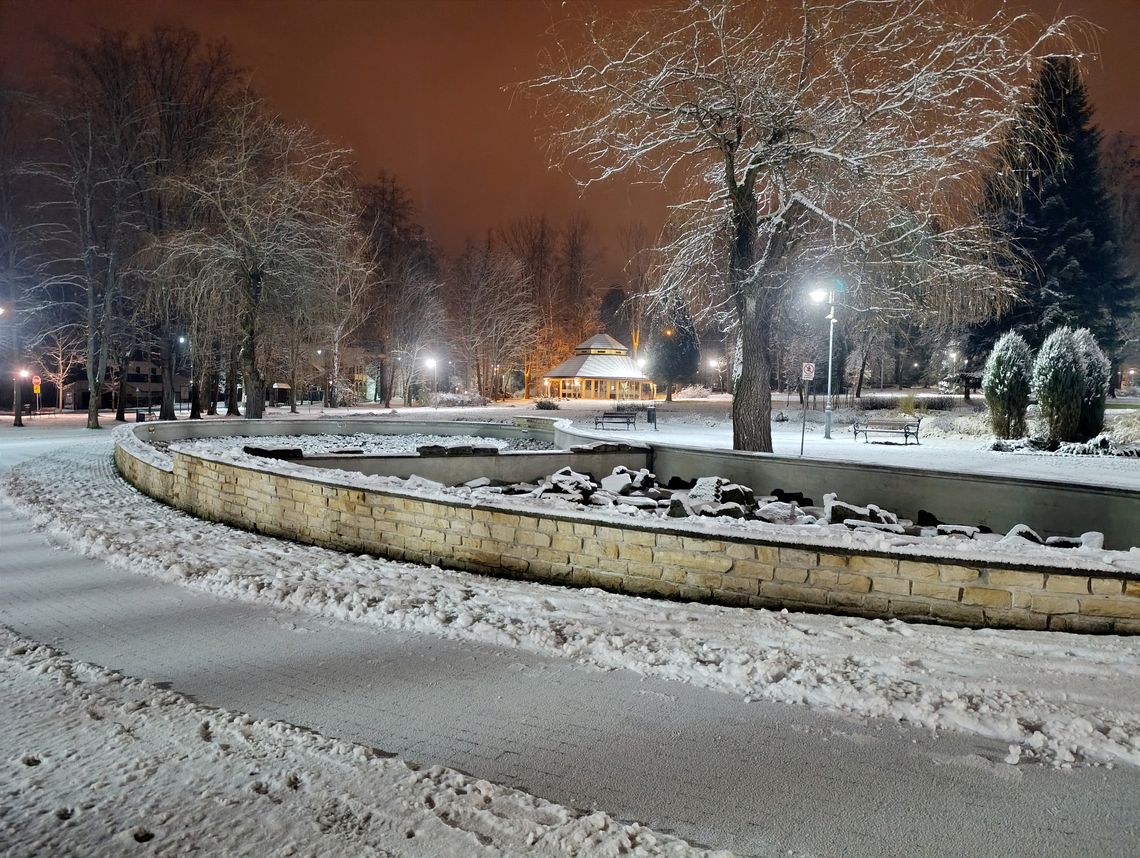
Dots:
(1050, 508)
(673, 559)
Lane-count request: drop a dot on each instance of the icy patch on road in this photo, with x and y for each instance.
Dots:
(1060, 698)
(96, 763)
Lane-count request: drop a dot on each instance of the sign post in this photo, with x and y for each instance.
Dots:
(36, 391)
(807, 376)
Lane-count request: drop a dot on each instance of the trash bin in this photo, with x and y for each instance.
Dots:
(651, 416)
(140, 416)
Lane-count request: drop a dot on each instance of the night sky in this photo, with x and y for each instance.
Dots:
(416, 87)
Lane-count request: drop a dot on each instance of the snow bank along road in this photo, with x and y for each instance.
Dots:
(710, 767)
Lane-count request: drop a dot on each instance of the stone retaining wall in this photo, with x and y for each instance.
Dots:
(670, 560)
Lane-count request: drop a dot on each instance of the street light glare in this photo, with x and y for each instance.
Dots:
(818, 295)
(430, 363)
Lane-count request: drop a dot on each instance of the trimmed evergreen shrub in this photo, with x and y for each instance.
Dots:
(1098, 374)
(1059, 382)
(1005, 385)
(546, 405)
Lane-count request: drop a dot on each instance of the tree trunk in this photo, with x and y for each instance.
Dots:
(752, 396)
(390, 383)
(121, 405)
(213, 385)
(166, 361)
(195, 394)
(18, 402)
(232, 409)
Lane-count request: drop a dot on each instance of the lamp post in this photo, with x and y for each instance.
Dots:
(195, 411)
(432, 364)
(819, 295)
(324, 379)
(17, 382)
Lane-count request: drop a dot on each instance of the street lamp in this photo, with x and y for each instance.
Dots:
(714, 367)
(819, 295)
(195, 412)
(17, 380)
(431, 363)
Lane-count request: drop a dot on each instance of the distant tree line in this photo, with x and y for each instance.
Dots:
(154, 209)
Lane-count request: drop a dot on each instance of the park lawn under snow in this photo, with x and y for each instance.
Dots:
(95, 763)
(1054, 697)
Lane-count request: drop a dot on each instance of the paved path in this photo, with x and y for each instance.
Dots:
(751, 777)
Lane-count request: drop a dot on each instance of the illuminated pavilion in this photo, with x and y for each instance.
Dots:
(600, 369)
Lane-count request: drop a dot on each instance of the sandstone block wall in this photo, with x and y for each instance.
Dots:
(638, 559)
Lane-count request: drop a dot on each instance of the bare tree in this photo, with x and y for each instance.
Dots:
(558, 267)
(533, 242)
(492, 328)
(19, 301)
(401, 257)
(184, 86)
(338, 305)
(415, 324)
(637, 248)
(267, 222)
(60, 355)
(98, 155)
(800, 132)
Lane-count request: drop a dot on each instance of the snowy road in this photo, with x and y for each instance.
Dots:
(709, 767)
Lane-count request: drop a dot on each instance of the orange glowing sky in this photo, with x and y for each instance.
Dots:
(416, 87)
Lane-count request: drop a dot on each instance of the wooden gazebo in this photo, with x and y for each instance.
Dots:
(600, 369)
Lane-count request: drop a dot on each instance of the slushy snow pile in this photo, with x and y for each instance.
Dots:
(1060, 698)
(95, 763)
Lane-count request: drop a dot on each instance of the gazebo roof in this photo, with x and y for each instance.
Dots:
(600, 343)
(611, 366)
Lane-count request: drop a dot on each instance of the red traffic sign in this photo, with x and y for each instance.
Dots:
(809, 372)
(36, 380)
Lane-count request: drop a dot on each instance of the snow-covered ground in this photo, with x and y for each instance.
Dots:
(96, 763)
(1060, 698)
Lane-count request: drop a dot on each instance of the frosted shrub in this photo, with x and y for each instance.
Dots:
(693, 391)
(1005, 384)
(1059, 382)
(1098, 374)
(461, 400)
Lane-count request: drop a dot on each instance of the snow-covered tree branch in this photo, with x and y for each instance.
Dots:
(803, 133)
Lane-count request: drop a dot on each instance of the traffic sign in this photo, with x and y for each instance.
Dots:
(36, 380)
(36, 389)
(809, 372)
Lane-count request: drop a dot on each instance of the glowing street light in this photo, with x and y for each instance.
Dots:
(819, 295)
(431, 363)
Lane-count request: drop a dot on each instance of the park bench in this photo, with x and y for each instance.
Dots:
(628, 419)
(907, 427)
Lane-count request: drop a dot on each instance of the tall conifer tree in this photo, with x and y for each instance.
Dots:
(1057, 211)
